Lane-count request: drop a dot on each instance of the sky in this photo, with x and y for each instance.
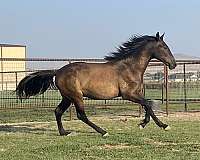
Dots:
(92, 29)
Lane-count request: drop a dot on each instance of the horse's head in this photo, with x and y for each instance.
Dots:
(161, 51)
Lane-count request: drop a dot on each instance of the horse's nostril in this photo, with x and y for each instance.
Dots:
(174, 65)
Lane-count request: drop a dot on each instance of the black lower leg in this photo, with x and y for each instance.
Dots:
(157, 121)
(148, 108)
(62, 107)
(82, 116)
(145, 120)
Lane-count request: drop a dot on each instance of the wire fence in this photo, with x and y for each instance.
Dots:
(176, 90)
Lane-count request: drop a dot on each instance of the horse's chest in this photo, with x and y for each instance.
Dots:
(124, 84)
(130, 86)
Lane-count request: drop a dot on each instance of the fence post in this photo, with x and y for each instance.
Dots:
(166, 88)
(43, 99)
(2, 69)
(6, 86)
(185, 89)
(162, 87)
(16, 85)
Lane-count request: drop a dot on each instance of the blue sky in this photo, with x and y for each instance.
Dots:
(92, 29)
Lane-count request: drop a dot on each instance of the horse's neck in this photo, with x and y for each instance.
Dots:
(142, 61)
(137, 63)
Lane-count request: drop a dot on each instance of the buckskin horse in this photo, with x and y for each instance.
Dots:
(120, 76)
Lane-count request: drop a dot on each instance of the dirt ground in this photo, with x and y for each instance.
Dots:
(182, 116)
(192, 115)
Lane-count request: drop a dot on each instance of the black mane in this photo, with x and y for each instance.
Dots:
(130, 48)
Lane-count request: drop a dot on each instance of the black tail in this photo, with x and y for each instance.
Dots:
(35, 83)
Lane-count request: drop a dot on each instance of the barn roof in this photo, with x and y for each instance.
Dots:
(11, 45)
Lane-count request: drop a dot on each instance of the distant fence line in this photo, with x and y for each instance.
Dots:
(157, 83)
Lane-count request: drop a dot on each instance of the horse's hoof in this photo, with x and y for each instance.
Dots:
(167, 128)
(64, 133)
(141, 127)
(105, 135)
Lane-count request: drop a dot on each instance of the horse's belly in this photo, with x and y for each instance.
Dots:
(101, 92)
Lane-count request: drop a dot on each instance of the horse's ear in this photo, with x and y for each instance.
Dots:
(161, 37)
(157, 36)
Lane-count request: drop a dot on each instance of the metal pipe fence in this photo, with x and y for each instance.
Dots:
(176, 90)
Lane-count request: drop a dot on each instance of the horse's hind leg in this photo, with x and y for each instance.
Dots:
(145, 120)
(62, 107)
(82, 116)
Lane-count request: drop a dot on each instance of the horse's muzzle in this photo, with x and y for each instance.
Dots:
(172, 65)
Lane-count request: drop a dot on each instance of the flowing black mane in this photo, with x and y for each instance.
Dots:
(130, 48)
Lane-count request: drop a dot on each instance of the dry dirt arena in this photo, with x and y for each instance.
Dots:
(192, 115)
(173, 116)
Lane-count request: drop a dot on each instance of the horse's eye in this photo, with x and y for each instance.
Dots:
(165, 47)
(162, 46)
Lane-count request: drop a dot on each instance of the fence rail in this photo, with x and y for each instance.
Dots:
(180, 86)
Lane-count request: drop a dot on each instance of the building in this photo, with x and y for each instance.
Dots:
(9, 69)
(179, 77)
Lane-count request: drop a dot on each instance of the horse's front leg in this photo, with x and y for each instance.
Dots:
(145, 121)
(148, 107)
(149, 112)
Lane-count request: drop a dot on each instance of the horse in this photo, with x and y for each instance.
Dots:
(121, 75)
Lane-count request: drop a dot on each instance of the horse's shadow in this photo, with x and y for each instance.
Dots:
(25, 128)
(28, 128)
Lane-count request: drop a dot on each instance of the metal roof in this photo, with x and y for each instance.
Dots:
(11, 45)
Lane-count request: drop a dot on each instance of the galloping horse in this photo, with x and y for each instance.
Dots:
(121, 75)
